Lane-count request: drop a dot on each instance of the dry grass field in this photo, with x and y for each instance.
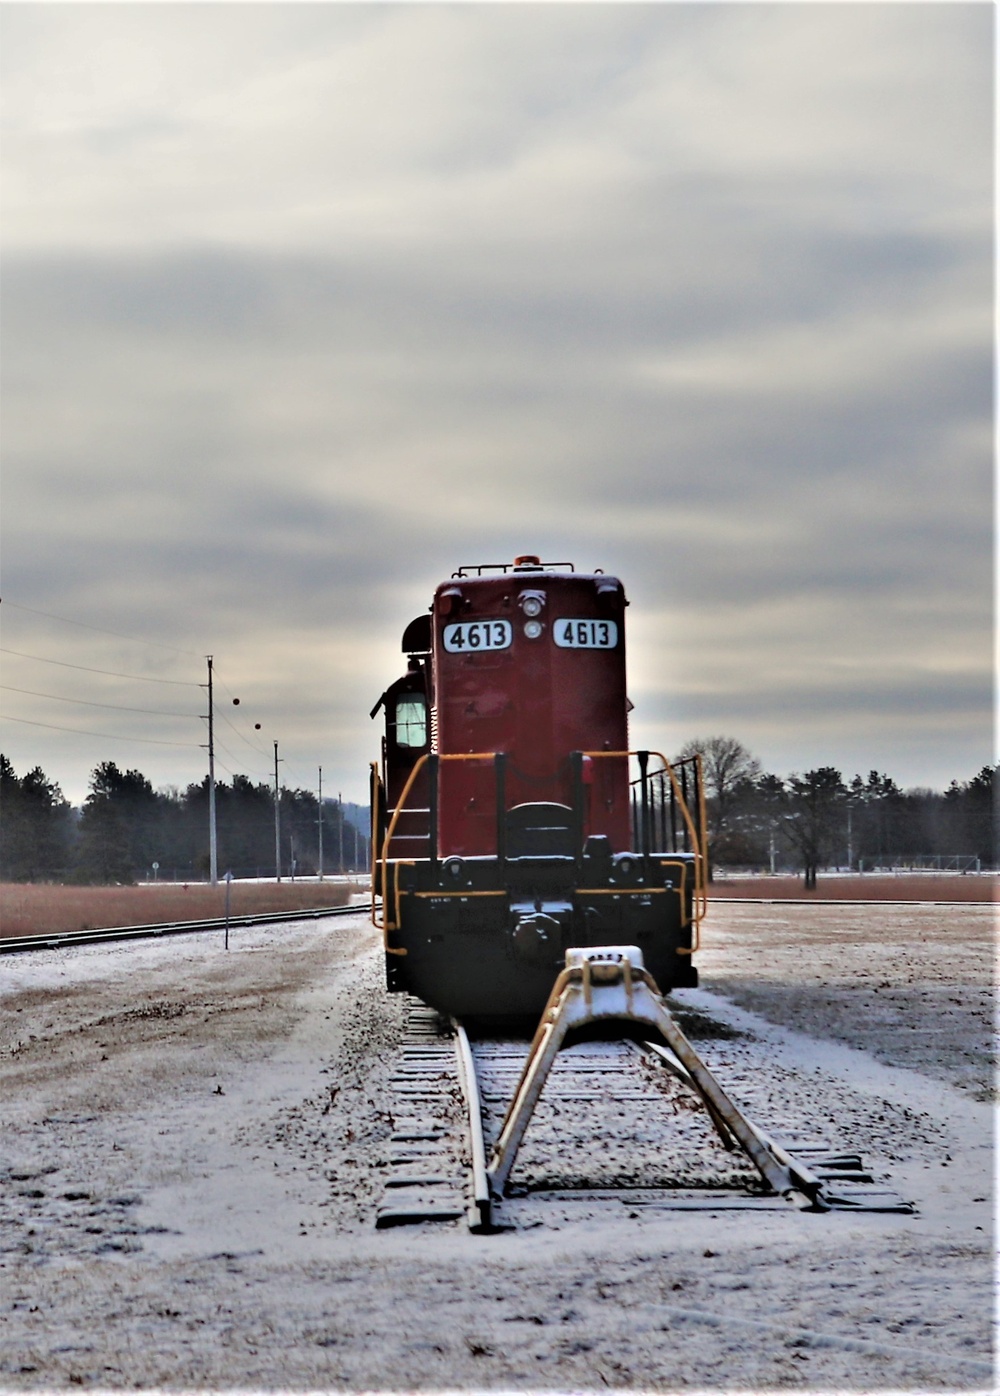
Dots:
(905, 887)
(40, 909)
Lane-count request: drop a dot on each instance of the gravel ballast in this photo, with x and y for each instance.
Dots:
(194, 1148)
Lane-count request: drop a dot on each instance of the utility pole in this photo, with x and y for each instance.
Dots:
(213, 848)
(340, 806)
(277, 817)
(319, 821)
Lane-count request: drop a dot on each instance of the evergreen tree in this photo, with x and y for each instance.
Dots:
(971, 809)
(814, 818)
(36, 827)
(119, 826)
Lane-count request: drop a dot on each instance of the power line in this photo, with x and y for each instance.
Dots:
(296, 774)
(99, 628)
(242, 736)
(242, 774)
(105, 736)
(222, 684)
(111, 673)
(235, 759)
(118, 707)
(259, 750)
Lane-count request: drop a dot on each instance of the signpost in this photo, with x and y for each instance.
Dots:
(229, 883)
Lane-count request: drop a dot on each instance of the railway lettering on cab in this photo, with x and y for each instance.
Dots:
(511, 820)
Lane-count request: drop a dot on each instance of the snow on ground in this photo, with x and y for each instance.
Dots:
(191, 1151)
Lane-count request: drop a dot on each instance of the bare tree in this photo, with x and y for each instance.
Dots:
(729, 772)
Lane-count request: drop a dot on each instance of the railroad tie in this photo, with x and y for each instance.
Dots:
(425, 1181)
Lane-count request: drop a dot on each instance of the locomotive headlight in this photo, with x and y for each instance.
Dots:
(532, 603)
(532, 629)
(450, 602)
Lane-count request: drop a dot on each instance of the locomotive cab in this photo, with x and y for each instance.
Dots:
(511, 821)
(406, 739)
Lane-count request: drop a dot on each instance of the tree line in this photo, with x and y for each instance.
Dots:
(756, 820)
(125, 827)
(817, 819)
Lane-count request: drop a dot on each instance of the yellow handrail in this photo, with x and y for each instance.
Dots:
(703, 820)
(390, 912)
(700, 906)
(376, 791)
(400, 803)
(386, 927)
(400, 863)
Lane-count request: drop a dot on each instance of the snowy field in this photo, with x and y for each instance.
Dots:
(191, 1150)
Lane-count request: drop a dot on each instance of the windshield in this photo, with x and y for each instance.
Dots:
(411, 721)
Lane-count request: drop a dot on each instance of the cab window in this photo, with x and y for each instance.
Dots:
(411, 721)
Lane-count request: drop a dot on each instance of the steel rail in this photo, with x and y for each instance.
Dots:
(58, 940)
(822, 1177)
(840, 901)
(480, 1207)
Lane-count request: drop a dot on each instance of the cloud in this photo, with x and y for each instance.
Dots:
(304, 306)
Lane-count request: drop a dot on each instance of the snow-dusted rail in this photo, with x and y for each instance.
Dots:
(613, 1117)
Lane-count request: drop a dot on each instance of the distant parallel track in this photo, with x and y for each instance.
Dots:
(838, 901)
(13, 945)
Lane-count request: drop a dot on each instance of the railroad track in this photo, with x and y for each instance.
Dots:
(12, 945)
(617, 1125)
(839, 901)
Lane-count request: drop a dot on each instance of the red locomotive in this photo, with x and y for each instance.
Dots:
(510, 821)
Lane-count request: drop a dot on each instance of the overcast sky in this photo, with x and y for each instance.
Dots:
(306, 305)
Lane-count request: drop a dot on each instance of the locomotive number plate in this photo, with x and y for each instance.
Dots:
(585, 634)
(477, 635)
